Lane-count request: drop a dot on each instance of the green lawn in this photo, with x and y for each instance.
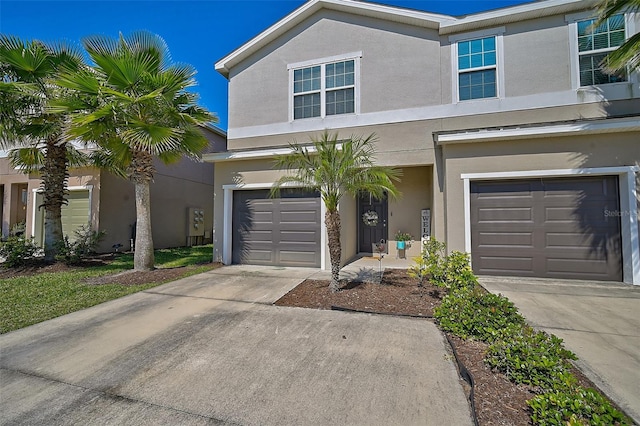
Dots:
(31, 299)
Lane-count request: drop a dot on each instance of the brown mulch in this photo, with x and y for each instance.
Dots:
(397, 294)
(497, 400)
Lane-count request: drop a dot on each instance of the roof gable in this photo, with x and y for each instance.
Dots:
(389, 13)
(445, 24)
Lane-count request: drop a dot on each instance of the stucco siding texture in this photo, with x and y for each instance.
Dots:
(539, 50)
(173, 191)
(400, 66)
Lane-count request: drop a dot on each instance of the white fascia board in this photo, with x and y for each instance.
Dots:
(255, 154)
(245, 155)
(390, 13)
(515, 14)
(601, 126)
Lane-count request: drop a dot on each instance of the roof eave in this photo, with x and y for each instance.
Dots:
(516, 13)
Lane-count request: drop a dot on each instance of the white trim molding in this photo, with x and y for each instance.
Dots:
(499, 66)
(253, 154)
(610, 92)
(613, 125)
(323, 90)
(628, 205)
(227, 220)
(609, 89)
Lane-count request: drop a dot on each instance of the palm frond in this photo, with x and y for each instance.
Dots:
(626, 55)
(28, 159)
(336, 167)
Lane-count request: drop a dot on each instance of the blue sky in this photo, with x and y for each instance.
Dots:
(198, 32)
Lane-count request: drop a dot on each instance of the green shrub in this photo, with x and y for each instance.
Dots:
(457, 271)
(478, 314)
(531, 357)
(430, 262)
(18, 251)
(452, 271)
(85, 244)
(574, 406)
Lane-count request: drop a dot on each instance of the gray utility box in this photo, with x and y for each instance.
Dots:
(195, 222)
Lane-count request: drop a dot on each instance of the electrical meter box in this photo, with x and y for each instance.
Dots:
(195, 222)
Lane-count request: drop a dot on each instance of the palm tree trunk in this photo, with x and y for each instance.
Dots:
(332, 221)
(54, 185)
(141, 174)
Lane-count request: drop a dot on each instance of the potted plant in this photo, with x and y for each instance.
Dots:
(401, 239)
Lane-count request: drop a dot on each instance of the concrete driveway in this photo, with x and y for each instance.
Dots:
(212, 349)
(598, 321)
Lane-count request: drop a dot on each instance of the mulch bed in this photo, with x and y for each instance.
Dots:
(397, 294)
(497, 400)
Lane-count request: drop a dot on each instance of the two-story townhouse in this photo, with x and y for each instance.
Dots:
(514, 146)
(106, 202)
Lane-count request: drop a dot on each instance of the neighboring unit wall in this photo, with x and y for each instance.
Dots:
(175, 189)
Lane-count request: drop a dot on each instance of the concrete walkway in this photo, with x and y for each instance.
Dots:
(598, 321)
(212, 349)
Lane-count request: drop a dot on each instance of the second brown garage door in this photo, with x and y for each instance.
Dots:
(282, 231)
(553, 228)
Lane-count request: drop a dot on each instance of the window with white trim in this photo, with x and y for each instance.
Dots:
(594, 44)
(323, 90)
(477, 68)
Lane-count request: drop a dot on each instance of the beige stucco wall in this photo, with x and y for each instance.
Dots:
(400, 66)
(175, 188)
(404, 212)
(569, 152)
(536, 56)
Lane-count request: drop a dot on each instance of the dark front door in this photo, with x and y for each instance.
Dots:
(372, 222)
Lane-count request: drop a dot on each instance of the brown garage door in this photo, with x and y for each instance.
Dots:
(282, 231)
(554, 228)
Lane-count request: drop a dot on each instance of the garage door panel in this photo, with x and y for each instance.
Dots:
(567, 235)
(578, 268)
(505, 239)
(505, 189)
(507, 265)
(297, 258)
(280, 231)
(506, 214)
(294, 236)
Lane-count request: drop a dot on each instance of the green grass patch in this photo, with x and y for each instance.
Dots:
(32, 299)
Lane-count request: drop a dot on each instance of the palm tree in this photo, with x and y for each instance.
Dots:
(628, 54)
(334, 168)
(36, 134)
(134, 104)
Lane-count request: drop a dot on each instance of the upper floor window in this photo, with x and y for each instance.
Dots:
(478, 65)
(477, 69)
(594, 44)
(324, 89)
